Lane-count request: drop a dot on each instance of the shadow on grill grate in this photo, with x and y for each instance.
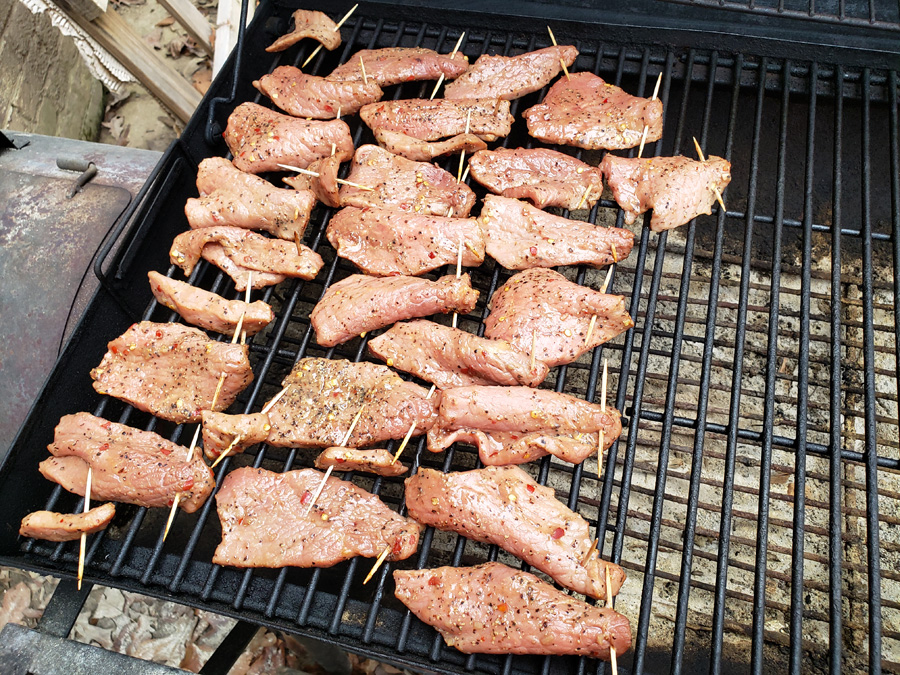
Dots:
(753, 495)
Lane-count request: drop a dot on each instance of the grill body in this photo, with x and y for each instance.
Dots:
(752, 497)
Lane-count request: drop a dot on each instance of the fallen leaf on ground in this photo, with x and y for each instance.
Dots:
(202, 78)
(168, 21)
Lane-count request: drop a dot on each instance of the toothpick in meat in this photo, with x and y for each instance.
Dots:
(590, 552)
(533, 349)
(646, 127)
(83, 544)
(714, 188)
(238, 439)
(584, 197)
(409, 433)
(609, 603)
(344, 442)
(602, 409)
(561, 62)
(337, 27)
(314, 174)
(590, 330)
(462, 155)
(607, 280)
(378, 563)
(441, 78)
(458, 268)
(362, 66)
(178, 496)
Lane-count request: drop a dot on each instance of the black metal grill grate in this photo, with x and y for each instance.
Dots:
(753, 494)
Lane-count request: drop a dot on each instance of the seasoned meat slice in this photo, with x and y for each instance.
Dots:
(503, 505)
(587, 112)
(232, 197)
(248, 251)
(494, 609)
(488, 118)
(541, 307)
(218, 256)
(423, 151)
(66, 526)
(510, 77)
(386, 242)
(208, 310)
(359, 303)
(544, 177)
(369, 460)
(512, 425)
(172, 371)
(677, 188)
(129, 465)
(520, 236)
(261, 139)
(309, 23)
(303, 95)
(395, 65)
(324, 186)
(400, 183)
(450, 357)
(265, 522)
(325, 396)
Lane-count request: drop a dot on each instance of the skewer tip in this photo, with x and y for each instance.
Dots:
(381, 558)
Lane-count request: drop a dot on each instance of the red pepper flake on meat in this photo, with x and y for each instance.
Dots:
(306, 497)
(503, 607)
(530, 488)
(434, 581)
(558, 533)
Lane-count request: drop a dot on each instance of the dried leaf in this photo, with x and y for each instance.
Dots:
(176, 47)
(168, 21)
(154, 39)
(118, 129)
(202, 78)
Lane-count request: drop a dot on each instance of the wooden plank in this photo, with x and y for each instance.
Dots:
(228, 21)
(89, 9)
(120, 40)
(190, 18)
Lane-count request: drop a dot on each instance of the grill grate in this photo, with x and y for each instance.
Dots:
(753, 495)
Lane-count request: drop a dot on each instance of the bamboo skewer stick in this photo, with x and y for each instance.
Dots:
(714, 188)
(590, 330)
(441, 78)
(561, 62)
(337, 27)
(591, 550)
(462, 155)
(330, 468)
(315, 174)
(238, 439)
(602, 409)
(533, 350)
(609, 604)
(409, 433)
(458, 270)
(584, 197)
(646, 126)
(362, 67)
(607, 280)
(82, 549)
(378, 563)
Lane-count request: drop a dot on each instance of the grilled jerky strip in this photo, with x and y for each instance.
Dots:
(494, 609)
(370, 460)
(303, 95)
(506, 507)
(510, 77)
(208, 310)
(324, 397)
(403, 184)
(385, 242)
(541, 307)
(53, 526)
(229, 196)
(450, 357)
(172, 371)
(324, 184)
(129, 465)
(437, 119)
(261, 139)
(265, 521)
(309, 23)
(395, 65)
(584, 111)
(544, 177)
(512, 425)
(520, 236)
(359, 304)
(423, 151)
(677, 188)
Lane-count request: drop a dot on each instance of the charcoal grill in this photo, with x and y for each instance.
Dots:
(753, 496)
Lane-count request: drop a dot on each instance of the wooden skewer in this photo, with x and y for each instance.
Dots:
(83, 545)
(615, 254)
(647, 126)
(590, 330)
(602, 409)
(178, 495)
(409, 433)
(584, 197)
(238, 439)
(362, 66)
(465, 173)
(590, 552)
(607, 280)
(458, 269)
(714, 188)
(561, 62)
(378, 563)
(337, 27)
(609, 603)
(330, 468)
(315, 174)
(441, 78)
(462, 155)
(275, 400)
(337, 118)
(533, 349)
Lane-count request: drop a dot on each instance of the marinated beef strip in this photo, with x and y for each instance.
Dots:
(312, 24)
(324, 185)
(261, 139)
(303, 95)
(511, 77)
(403, 184)
(386, 242)
(512, 425)
(370, 460)
(359, 303)
(265, 521)
(424, 151)
(494, 609)
(248, 252)
(53, 526)
(544, 177)
(450, 357)
(395, 65)
(437, 119)
(128, 465)
(218, 256)
(541, 307)
(520, 236)
(172, 371)
(324, 397)
(229, 196)
(677, 188)
(503, 505)
(208, 310)
(587, 112)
